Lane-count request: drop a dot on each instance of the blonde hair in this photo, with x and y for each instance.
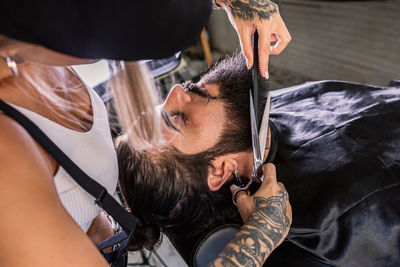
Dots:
(134, 92)
(136, 100)
(52, 86)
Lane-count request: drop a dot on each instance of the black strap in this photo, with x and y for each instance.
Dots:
(103, 199)
(115, 239)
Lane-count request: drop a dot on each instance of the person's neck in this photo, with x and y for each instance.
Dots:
(246, 159)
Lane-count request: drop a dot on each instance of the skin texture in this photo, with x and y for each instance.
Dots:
(100, 230)
(249, 16)
(201, 124)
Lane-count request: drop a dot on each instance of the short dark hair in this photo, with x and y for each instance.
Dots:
(167, 189)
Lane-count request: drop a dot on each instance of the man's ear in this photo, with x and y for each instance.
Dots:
(221, 172)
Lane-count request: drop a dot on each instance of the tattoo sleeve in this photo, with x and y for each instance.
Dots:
(265, 228)
(251, 9)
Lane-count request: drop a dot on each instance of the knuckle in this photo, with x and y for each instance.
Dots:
(284, 42)
(270, 167)
(247, 53)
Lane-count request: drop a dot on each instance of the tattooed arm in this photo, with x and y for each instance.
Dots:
(246, 17)
(267, 215)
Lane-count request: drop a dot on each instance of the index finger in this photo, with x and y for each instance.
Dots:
(240, 197)
(269, 174)
(245, 44)
(264, 43)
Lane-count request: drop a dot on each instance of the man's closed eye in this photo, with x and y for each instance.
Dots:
(179, 115)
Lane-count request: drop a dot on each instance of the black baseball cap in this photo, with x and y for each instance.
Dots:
(111, 29)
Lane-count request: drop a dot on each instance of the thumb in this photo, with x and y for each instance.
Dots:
(269, 179)
(244, 203)
(269, 172)
(233, 188)
(240, 197)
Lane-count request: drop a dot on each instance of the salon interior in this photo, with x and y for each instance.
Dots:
(355, 41)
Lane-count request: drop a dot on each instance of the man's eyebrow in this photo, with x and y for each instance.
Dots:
(165, 117)
(192, 87)
(201, 91)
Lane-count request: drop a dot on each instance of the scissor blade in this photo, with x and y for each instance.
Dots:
(264, 126)
(255, 140)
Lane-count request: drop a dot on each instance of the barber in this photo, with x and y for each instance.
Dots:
(35, 36)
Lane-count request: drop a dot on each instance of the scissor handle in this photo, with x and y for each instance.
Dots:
(246, 189)
(236, 192)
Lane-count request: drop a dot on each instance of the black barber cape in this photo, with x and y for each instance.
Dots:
(338, 155)
(339, 158)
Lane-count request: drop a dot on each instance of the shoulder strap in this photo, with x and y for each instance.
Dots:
(103, 199)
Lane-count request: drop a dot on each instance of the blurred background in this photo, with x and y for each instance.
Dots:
(356, 41)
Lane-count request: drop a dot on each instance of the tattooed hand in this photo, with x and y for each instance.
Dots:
(267, 216)
(246, 17)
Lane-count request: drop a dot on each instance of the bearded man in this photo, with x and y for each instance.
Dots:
(336, 147)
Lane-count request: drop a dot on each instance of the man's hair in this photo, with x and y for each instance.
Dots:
(173, 185)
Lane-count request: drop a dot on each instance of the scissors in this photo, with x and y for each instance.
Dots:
(258, 140)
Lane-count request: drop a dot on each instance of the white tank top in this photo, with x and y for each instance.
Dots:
(93, 151)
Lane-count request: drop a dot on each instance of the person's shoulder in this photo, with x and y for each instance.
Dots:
(12, 134)
(19, 150)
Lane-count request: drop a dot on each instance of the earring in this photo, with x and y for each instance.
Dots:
(238, 179)
(12, 65)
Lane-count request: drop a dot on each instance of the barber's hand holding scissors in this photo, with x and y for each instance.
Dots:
(261, 16)
(269, 208)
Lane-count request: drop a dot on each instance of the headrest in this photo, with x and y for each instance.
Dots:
(215, 241)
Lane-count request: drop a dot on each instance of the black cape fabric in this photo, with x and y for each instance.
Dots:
(118, 29)
(339, 158)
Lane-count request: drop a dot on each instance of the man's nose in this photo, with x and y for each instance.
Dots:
(177, 97)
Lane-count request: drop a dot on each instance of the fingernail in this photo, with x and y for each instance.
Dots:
(266, 75)
(248, 64)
